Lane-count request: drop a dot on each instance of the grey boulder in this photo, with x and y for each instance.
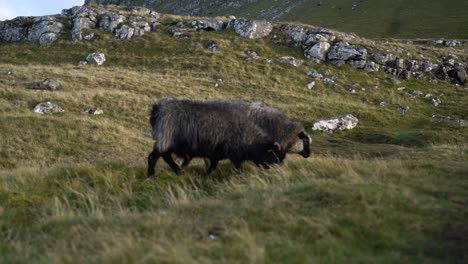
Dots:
(336, 123)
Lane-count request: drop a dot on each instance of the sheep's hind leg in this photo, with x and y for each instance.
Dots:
(152, 160)
(168, 159)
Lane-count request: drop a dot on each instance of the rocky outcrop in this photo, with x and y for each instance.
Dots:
(44, 29)
(47, 29)
(252, 29)
(336, 124)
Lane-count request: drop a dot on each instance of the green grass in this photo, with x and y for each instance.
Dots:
(73, 186)
(371, 18)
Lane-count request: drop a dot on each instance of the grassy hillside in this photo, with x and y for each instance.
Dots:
(369, 18)
(73, 186)
(387, 19)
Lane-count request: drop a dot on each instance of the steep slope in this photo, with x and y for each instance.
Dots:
(73, 186)
(376, 18)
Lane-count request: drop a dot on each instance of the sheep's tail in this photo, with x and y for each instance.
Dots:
(154, 115)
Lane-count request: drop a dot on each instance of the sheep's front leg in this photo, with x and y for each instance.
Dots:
(212, 167)
(152, 160)
(186, 161)
(168, 159)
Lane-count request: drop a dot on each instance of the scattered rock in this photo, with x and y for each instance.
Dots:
(311, 85)
(251, 55)
(336, 123)
(82, 63)
(383, 104)
(401, 88)
(463, 123)
(291, 61)
(406, 75)
(124, 33)
(252, 29)
(327, 72)
(47, 84)
(47, 107)
(315, 74)
(96, 58)
(436, 101)
(317, 52)
(213, 46)
(93, 111)
(328, 81)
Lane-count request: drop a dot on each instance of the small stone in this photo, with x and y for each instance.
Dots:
(436, 101)
(93, 111)
(213, 47)
(401, 88)
(328, 81)
(315, 74)
(89, 37)
(252, 55)
(82, 63)
(9, 72)
(291, 61)
(463, 123)
(311, 85)
(327, 72)
(352, 91)
(383, 104)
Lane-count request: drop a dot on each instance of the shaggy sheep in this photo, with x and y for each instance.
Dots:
(197, 129)
(291, 135)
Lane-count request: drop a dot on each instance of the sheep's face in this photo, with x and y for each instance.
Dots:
(302, 144)
(274, 154)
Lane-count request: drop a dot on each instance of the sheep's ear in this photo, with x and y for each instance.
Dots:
(302, 135)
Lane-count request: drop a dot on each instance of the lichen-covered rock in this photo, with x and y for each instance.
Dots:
(124, 32)
(43, 29)
(82, 17)
(97, 58)
(357, 64)
(371, 67)
(252, 29)
(210, 24)
(336, 123)
(382, 58)
(291, 61)
(297, 34)
(343, 51)
(317, 52)
(111, 21)
(47, 107)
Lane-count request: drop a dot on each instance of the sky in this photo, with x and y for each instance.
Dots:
(12, 8)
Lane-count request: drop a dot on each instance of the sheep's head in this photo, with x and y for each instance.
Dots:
(302, 144)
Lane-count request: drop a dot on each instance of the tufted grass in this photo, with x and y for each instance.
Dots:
(73, 186)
